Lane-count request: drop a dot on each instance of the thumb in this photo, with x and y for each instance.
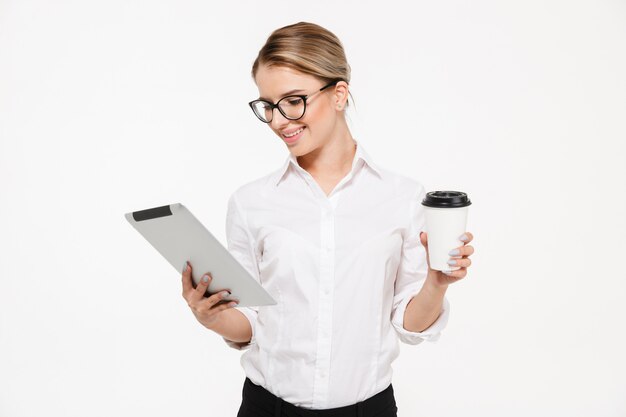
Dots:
(424, 239)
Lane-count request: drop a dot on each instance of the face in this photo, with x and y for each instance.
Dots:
(321, 118)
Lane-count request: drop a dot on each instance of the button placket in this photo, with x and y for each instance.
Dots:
(325, 308)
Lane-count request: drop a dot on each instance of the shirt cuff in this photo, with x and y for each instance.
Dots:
(251, 316)
(431, 334)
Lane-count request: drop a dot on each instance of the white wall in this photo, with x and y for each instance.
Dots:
(108, 107)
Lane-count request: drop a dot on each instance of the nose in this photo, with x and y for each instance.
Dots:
(278, 120)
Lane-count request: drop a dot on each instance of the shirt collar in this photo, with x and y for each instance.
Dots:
(361, 154)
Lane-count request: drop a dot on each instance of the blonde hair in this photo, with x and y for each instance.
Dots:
(307, 48)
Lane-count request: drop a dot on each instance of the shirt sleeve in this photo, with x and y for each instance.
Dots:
(411, 276)
(240, 245)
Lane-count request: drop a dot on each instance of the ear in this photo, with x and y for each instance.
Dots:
(341, 95)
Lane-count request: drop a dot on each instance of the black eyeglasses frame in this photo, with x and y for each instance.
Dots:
(273, 106)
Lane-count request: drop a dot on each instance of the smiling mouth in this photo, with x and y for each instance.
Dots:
(293, 134)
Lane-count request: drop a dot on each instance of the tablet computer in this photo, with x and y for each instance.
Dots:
(177, 235)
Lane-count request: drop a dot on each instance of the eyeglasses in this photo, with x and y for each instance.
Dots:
(292, 107)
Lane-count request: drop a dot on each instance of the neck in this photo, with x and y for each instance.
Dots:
(331, 160)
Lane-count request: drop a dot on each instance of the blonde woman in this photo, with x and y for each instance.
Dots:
(335, 238)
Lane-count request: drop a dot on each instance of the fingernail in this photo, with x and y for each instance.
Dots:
(464, 237)
(454, 252)
(185, 267)
(447, 272)
(205, 278)
(452, 262)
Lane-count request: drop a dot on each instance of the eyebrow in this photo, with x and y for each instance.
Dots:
(299, 90)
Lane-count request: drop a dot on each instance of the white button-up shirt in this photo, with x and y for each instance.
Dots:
(342, 269)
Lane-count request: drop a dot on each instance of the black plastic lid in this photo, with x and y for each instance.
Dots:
(446, 199)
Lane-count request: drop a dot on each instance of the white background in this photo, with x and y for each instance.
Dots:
(113, 106)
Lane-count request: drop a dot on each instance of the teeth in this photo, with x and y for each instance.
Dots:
(294, 133)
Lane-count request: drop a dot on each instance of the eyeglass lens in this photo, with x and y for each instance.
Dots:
(292, 107)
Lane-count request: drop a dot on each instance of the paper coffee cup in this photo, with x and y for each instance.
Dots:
(446, 220)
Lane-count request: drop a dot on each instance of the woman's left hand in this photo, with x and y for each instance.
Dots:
(442, 279)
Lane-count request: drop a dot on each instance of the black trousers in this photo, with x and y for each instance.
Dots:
(259, 402)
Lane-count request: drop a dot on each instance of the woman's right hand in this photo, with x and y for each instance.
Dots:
(206, 309)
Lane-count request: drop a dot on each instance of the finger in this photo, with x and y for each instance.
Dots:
(466, 237)
(216, 299)
(459, 273)
(186, 278)
(224, 307)
(463, 262)
(462, 251)
(201, 288)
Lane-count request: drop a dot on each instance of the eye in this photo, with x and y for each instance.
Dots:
(294, 101)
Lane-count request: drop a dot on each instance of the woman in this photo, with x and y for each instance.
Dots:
(335, 239)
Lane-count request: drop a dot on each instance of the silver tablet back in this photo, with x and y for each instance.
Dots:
(178, 236)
